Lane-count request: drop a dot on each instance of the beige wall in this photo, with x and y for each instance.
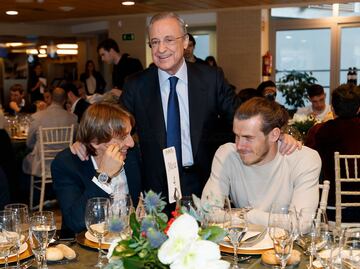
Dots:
(239, 46)
(131, 24)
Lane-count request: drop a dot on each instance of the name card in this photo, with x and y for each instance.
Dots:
(172, 174)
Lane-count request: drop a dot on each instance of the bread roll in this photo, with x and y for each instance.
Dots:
(269, 257)
(54, 254)
(68, 252)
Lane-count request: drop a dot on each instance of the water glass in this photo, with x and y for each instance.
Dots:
(96, 220)
(8, 235)
(21, 224)
(282, 226)
(350, 253)
(42, 230)
(236, 225)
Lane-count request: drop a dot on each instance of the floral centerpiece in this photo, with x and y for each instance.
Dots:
(303, 123)
(156, 242)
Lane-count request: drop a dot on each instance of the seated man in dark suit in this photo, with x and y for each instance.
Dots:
(105, 132)
(78, 104)
(18, 102)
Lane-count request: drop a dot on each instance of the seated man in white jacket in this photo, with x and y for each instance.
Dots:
(254, 173)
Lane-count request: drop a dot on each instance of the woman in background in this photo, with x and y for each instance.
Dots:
(92, 79)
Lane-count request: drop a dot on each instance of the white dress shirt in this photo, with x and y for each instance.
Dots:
(118, 183)
(183, 97)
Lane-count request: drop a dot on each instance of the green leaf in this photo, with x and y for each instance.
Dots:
(135, 226)
(133, 263)
(213, 233)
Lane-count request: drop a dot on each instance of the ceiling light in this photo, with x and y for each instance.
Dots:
(11, 12)
(42, 51)
(32, 51)
(128, 3)
(67, 46)
(42, 55)
(43, 47)
(14, 44)
(67, 52)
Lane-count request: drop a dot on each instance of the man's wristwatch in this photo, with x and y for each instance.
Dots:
(103, 177)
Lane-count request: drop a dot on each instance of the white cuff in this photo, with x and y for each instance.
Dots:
(105, 187)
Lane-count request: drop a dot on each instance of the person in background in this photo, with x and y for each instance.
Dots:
(36, 83)
(318, 108)
(340, 134)
(105, 132)
(92, 79)
(123, 65)
(53, 116)
(210, 60)
(267, 89)
(252, 170)
(47, 97)
(18, 102)
(77, 104)
(189, 51)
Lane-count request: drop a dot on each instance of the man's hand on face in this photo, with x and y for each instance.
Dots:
(79, 149)
(112, 161)
(289, 144)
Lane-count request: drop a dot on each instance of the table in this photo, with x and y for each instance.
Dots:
(88, 257)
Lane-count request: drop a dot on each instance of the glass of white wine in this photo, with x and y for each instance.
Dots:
(8, 235)
(21, 225)
(236, 225)
(96, 220)
(42, 230)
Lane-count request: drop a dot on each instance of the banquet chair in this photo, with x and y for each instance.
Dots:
(348, 176)
(52, 141)
(325, 187)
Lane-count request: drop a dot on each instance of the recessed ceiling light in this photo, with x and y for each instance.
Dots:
(11, 12)
(66, 8)
(14, 44)
(128, 3)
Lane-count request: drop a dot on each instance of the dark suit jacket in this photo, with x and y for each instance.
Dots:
(209, 98)
(100, 82)
(73, 186)
(80, 108)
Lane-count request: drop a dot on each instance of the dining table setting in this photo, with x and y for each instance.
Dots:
(118, 235)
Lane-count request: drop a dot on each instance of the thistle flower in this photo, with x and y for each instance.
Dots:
(155, 237)
(153, 203)
(147, 223)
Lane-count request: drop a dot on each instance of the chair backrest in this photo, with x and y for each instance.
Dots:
(52, 141)
(325, 187)
(350, 175)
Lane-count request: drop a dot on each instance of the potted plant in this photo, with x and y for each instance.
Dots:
(293, 87)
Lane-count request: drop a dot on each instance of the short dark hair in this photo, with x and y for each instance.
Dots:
(17, 88)
(100, 123)
(315, 90)
(71, 87)
(245, 94)
(108, 44)
(263, 85)
(272, 114)
(192, 39)
(346, 101)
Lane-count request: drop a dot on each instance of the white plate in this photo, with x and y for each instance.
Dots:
(107, 240)
(266, 243)
(23, 247)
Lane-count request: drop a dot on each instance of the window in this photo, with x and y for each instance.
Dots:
(350, 51)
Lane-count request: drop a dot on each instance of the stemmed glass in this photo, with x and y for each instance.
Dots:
(42, 231)
(119, 215)
(21, 224)
(281, 230)
(96, 220)
(236, 225)
(8, 236)
(350, 254)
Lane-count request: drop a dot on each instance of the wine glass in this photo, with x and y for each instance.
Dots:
(350, 253)
(96, 219)
(281, 230)
(119, 218)
(9, 237)
(42, 230)
(21, 224)
(236, 225)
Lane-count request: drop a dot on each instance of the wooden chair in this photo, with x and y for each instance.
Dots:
(325, 187)
(349, 176)
(51, 141)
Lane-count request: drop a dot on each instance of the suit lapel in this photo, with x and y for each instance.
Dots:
(154, 109)
(197, 106)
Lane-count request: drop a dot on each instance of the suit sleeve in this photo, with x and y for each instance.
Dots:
(225, 97)
(71, 192)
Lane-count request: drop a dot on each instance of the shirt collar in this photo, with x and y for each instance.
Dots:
(74, 105)
(181, 74)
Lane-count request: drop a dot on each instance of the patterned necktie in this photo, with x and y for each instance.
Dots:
(173, 133)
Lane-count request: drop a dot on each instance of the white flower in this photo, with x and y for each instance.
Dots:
(184, 249)
(201, 254)
(182, 233)
(300, 118)
(113, 245)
